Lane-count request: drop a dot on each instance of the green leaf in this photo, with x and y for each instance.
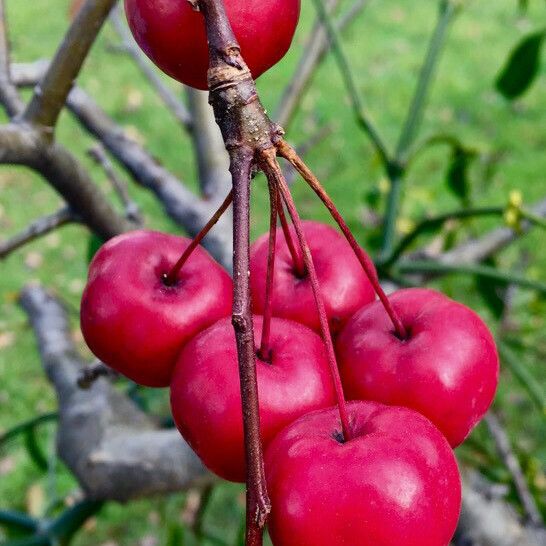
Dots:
(492, 293)
(93, 246)
(458, 172)
(34, 449)
(522, 66)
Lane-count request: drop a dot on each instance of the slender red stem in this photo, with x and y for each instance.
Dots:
(264, 352)
(286, 151)
(171, 277)
(297, 259)
(276, 172)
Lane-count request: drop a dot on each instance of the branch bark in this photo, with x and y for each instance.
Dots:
(182, 205)
(20, 144)
(132, 211)
(51, 93)
(210, 152)
(511, 462)
(489, 521)
(38, 228)
(477, 250)
(114, 450)
(9, 96)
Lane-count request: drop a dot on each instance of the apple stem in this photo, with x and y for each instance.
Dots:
(274, 171)
(172, 275)
(297, 259)
(286, 151)
(264, 352)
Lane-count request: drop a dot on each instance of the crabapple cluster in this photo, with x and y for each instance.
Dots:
(420, 369)
(397, 466)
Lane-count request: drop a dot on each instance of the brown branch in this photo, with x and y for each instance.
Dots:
(246, 131)
(171, 101)
(22, 145)
(511, 462)
(9, 96)
(38, 228)
(315, 50)
(51, 93)
(132, 211)
(113, 449)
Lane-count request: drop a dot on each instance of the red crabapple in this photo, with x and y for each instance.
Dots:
(132, 320)
(447, 369)
(344, 285)
(395, 482)
(206, 394)
(173, 35)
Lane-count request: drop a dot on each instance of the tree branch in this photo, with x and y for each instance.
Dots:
(210, 152)
(182, 205)
(511, 462)
(51, 93)
(37, 229)
(132, 211)
(21, 145)
(9, 97)
(113, 448)
(489, 521)
(357, 104)
(477, 250)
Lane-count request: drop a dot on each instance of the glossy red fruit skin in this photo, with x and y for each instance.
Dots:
(173, 35)
(132, 321)
(447, 370)
(344, 285)
(206, 394)
(396, 482)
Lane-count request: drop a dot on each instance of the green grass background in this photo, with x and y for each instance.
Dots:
(385, 45)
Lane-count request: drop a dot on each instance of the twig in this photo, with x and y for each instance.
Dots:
(347, 75)
(90, 374)
(396, 169)
(438, 221)
(438, 268)
(477, 250)
(132, 211)
(258, 505)
(186, 209)
(511, 462)
(315, 50)
(415, 114)
(38, 228)
(9, 97)
(171, 101)
(22, 145)
(50, 95)
(520, 372)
